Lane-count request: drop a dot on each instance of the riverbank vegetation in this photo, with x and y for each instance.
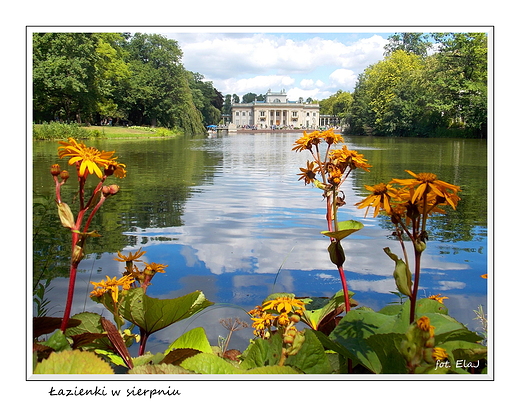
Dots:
(62, 131)
(118, 79)
(428, 85)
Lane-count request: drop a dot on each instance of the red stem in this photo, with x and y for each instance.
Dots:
(345, 288)
(142, 345)
(70, 295)
(413, 300)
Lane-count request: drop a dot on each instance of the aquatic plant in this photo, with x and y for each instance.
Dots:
(86, 161)
(409, 206)
(328, 171)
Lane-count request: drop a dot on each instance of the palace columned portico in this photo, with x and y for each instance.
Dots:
(277, 111)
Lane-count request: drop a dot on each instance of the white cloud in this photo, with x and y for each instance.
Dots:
(256, 84)
(247, 62)
(343, 79)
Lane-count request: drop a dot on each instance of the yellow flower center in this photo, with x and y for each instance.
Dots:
(426, 177)
(379, 189)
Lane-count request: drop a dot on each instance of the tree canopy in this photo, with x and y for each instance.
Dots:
(139, 79)
(424, 89)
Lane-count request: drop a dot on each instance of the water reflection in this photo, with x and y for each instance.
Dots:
(230, 218)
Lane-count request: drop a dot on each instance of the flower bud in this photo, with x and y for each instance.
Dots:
(295, 318)
(66, 216)
(55, 170)
(110, 190)
(288, 339)
(64, 175)
(77, 254)
(420, 246)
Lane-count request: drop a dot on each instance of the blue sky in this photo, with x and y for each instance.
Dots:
(306, 62)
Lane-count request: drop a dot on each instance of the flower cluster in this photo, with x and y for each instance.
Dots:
(420, 195)
(438, 298)
(281, 312)
(418, 347)
(143, 276)
(336, 164)
(112, 285)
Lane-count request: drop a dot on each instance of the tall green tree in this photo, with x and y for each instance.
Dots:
(159, 92)
(416, 43)
(207, 99)
(386, 99)
(458, 73)
(75, 75)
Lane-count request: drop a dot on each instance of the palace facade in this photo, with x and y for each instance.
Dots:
(276, 111)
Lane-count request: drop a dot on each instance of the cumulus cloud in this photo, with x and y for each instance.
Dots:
(257, 84)
(255, 62)
(343, 79)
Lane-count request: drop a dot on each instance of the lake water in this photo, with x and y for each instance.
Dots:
(229, 217)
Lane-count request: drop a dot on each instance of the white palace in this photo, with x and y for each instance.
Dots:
(277, 111)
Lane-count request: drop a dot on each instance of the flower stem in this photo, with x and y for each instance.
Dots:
(70, 295)
(345, 288)
(415, 285)
(142, 345)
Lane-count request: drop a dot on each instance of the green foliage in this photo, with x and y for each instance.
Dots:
(153, 314)
(73, 362)
(88, 77)
(321, 312)
(62, 131)
(194, 339)
(310, 359)
(375, 339)
(410, 93)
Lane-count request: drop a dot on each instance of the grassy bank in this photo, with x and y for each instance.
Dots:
(59, 131)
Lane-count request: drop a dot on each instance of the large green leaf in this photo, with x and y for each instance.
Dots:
(311, 358)
(345, 228)
(73, 362)
(193, 339)
(317, 310)
(256, 354)
(207, 363)
(153, 314)
(352, 333)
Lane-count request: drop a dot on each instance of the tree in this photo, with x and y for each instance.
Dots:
(459, 76)
(416, 43)
(386, 98)
(226, 108)
(76, 75)
(338, 105)
(159, 92)
(207, 99)
(249, 97)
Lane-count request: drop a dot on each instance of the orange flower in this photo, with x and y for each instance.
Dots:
(426, 183)
(330, 137)
(437, 297)
(380, 199)
(307, 141)
(308, 174)
(89, 159)
(349, 158)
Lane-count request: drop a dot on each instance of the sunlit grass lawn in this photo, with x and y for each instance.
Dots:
(122, 132)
